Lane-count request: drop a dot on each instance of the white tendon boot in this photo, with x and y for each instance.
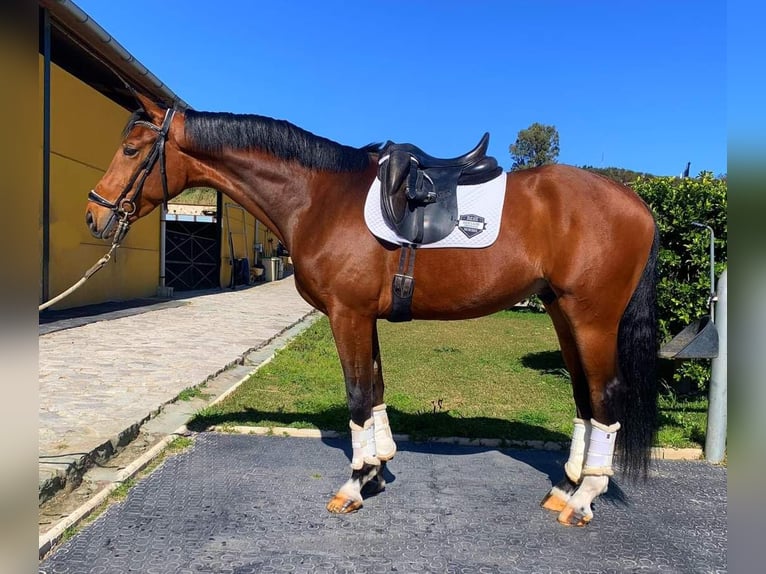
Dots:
(560, 494)
(595, 474)
(385, 447)
(600, 449)
(363, 444)
(349, 496)
(580, 438)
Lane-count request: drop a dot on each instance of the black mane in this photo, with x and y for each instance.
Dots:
(216, 131)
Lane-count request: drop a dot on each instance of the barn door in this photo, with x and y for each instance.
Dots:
(192, 258)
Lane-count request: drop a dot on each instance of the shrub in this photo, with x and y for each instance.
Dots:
(684, 258)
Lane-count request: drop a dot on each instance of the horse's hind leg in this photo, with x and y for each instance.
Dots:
(560, 494)
(355, 343)
(597, 346)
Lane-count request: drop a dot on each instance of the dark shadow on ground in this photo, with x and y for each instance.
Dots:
(545, 362)
(51, 320)
(547, 462)
(51, 315)
(422, 427)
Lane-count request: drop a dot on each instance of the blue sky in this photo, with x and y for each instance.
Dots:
(638, 85)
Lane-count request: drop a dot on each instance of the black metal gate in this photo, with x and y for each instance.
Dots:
(192, 255)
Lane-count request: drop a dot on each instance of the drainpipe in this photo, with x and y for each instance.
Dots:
(255, 243)
(163, 290)
(711, 297)
(46, 203)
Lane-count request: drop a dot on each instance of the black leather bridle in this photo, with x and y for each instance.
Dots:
(126, 204)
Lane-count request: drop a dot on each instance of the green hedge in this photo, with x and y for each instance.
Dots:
(684, 259)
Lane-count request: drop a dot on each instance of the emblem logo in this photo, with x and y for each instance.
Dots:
(471, 225)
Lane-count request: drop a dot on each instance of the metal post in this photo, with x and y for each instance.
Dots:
(163, 230)
(715, 438)
(711, 299)
(162, 289)
(255, 243)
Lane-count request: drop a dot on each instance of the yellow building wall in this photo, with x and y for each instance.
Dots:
(86, 130)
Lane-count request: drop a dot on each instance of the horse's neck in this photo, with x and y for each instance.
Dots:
(276, 192)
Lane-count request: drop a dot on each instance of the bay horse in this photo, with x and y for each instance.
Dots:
(586, 244)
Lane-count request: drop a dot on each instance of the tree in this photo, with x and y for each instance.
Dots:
(535, 146)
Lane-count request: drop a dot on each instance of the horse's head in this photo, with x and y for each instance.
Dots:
(145, 171)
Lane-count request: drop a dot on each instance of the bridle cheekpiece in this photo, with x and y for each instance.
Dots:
(126, 204)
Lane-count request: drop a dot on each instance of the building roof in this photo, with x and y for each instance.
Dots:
(83, 48)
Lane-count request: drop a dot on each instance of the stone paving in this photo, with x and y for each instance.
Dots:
(99, 381)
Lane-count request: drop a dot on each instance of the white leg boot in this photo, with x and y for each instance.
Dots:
(385, 447)
(595, 474)
(363, 444)
(580, 439)
(560, 494)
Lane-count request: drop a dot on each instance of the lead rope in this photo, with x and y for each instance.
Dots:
(122, 229)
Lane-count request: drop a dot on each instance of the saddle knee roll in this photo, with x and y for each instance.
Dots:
(385, 447)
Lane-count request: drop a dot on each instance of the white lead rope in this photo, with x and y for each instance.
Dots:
(121, 231)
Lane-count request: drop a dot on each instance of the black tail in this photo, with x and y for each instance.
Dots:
(636, 406)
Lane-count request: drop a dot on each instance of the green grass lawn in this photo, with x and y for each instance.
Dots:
(499, 376)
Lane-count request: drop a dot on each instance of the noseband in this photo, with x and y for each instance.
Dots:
(125, 205)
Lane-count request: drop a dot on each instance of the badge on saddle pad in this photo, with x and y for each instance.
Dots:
(471, 225)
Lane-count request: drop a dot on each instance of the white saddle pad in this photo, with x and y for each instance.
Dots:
(479, 208)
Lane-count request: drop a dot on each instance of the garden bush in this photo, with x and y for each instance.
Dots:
(684, 258)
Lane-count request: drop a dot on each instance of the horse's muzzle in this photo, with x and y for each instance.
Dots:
(105, 231)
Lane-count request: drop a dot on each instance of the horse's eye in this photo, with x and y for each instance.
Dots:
(129, 151)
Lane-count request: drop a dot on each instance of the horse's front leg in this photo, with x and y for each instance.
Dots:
(355, 340)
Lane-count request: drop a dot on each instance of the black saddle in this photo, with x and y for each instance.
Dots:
(418, 191)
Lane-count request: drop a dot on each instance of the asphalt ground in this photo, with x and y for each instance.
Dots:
(240, 504)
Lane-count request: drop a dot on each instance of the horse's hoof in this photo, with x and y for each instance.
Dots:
(554, 502)
(571, 517)
(340, 504)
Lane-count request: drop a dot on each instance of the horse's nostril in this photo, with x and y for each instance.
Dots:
(89, 220)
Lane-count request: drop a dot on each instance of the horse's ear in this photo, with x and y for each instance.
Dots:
(155, 112)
